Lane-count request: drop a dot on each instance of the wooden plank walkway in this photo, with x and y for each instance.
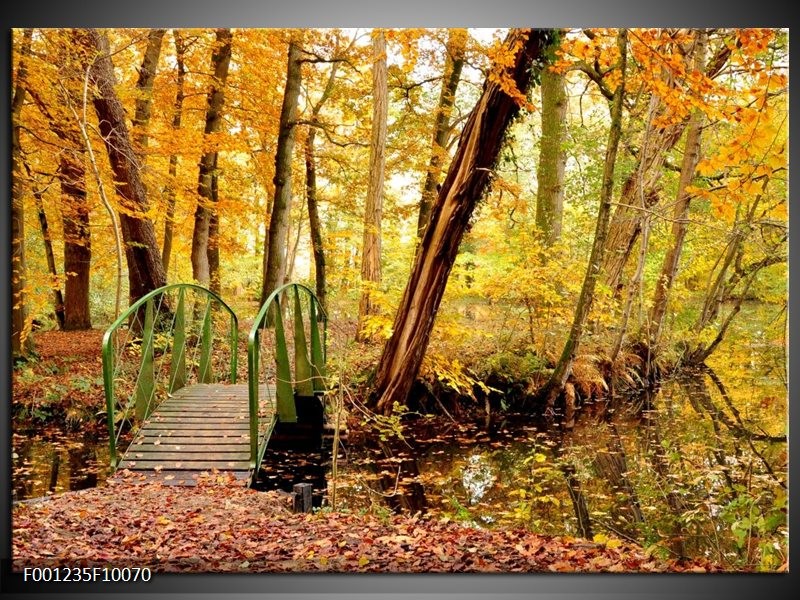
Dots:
(200, 428)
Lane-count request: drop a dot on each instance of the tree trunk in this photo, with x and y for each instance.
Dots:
(206, 205)
(77, 240)
(58, 297)
(557, 380)
(74, 204)
(144, 88)
(552, 158)
(145, 270)
(625, 226)
(466, 182)
(626, 221)
(275, 247)
(371, 248)
(215, 284)
(314, 223)
(454, 62)
(169, 189)
(21, 342)
(691, 156)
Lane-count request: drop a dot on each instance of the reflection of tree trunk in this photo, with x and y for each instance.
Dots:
(21, 473)
(611, 464)
(82, 474)
(694, 387)
(54, 468)
(660, 464)
(736, 426)
(574, 488)
(401, 489)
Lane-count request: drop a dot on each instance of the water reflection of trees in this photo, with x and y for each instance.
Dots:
(679, 468)
(688, 474)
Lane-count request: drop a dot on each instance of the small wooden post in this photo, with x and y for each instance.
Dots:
(302, 497)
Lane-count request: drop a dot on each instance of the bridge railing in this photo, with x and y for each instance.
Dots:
(292, 322)
(174, 336)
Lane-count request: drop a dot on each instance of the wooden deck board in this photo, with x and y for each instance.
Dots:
(200, 428)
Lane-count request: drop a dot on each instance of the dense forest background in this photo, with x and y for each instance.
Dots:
(534, 217)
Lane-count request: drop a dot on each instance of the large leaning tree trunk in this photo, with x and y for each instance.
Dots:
(552, 158)
(21, 342)
(169, 188)
(371, 250)
(454, 63)
(466, 181)
(275, 244)
(555, 384)
(206, 204)
(145, 270)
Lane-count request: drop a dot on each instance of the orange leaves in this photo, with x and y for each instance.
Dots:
(504, 57)
(215, 529)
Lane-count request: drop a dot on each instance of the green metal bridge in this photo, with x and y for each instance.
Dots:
(171, 372)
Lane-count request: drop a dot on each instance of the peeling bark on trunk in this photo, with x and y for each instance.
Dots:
(456, 44)
(206, 204)
(552, 158)
(371, 249)
(169, 189)
(466, 182)
(21, 342)
(145, 270)
(275, 246)
(555, 385)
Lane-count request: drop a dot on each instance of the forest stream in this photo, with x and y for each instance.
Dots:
(694, 468)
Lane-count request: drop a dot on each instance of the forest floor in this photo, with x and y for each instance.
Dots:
(218, 528)
(215, 528)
